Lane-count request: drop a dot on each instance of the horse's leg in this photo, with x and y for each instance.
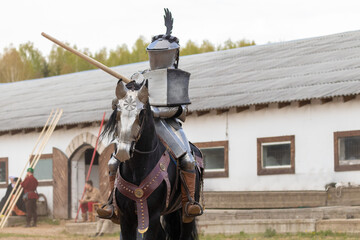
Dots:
(172, 225)
(188, 231)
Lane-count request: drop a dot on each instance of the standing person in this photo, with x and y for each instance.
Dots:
(92, 195)
(30, 196)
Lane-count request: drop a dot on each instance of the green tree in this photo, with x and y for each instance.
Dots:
(101, 55)
(28, 62)
(121, 55)
(228, 44)
(190, 48)
(139, 53)
(62, 61)
(12, 68)
(207, 46)
(33, 60)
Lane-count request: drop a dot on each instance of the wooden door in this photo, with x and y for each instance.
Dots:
(61, 184)
(104, 171)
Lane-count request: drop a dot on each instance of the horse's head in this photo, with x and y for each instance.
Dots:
(130, 108)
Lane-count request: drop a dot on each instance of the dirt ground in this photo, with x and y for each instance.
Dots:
(45, 231)
(48, 230)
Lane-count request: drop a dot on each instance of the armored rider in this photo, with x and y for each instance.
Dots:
(168, 111)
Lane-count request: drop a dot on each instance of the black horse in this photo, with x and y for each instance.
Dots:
(145, 152)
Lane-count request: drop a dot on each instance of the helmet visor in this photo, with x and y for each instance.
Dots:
(162, 59)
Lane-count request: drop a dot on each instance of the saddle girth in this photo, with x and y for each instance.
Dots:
(140, 193)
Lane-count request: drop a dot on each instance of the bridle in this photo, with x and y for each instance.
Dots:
(133, 145)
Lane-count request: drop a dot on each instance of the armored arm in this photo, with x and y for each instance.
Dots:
(170, 112)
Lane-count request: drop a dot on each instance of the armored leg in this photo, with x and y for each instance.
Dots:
(188, 176)
(107, 211)
(171, 132)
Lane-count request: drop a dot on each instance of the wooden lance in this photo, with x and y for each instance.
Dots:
(87, 58)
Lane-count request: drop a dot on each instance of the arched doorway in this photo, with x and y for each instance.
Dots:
(70, 169)
(79, 164)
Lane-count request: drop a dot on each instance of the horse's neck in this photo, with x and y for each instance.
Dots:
(140, 165)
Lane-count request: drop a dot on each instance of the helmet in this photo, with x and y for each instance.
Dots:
(164, 49)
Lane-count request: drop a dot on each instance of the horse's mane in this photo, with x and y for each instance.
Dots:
(111, 127)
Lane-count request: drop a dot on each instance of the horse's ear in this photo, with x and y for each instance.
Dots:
(143, 94)
(121, 90)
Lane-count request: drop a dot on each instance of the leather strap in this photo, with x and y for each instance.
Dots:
(140, 193)
(199, 162)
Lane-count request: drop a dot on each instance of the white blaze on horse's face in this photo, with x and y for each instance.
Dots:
(130, 103)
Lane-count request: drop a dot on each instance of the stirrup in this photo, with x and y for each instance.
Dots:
(103, 216)
(193, 215)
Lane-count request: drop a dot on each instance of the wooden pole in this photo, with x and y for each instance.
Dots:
(42, 146)
(46, 138)
(91, 163)
(87, 58)
(19, 189)
(32, 152)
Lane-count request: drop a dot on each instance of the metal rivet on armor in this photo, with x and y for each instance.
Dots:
(162, 166)
(139, 193)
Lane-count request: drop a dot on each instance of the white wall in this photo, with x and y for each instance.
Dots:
(48, 192)
(313, 126)
(17, 148)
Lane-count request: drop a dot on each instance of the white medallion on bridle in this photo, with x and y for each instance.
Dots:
(129, 106)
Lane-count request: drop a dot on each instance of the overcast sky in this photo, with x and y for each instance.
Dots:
(108, 23)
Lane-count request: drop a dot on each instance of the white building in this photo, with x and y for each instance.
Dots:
(279, 119)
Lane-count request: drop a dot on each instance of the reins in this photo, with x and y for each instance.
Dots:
(147, 152)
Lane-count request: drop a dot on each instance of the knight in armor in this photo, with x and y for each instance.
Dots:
(168, 111)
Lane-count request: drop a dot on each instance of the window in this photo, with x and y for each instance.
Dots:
(215, 156)
(4, 172)
(347, 150)
(276, 155)
(44, 170)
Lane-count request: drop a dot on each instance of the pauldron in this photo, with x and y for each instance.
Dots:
(178, 112)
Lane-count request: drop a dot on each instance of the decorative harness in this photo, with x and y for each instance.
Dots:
(140, 193)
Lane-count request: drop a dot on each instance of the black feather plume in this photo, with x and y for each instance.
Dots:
(168, 21)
